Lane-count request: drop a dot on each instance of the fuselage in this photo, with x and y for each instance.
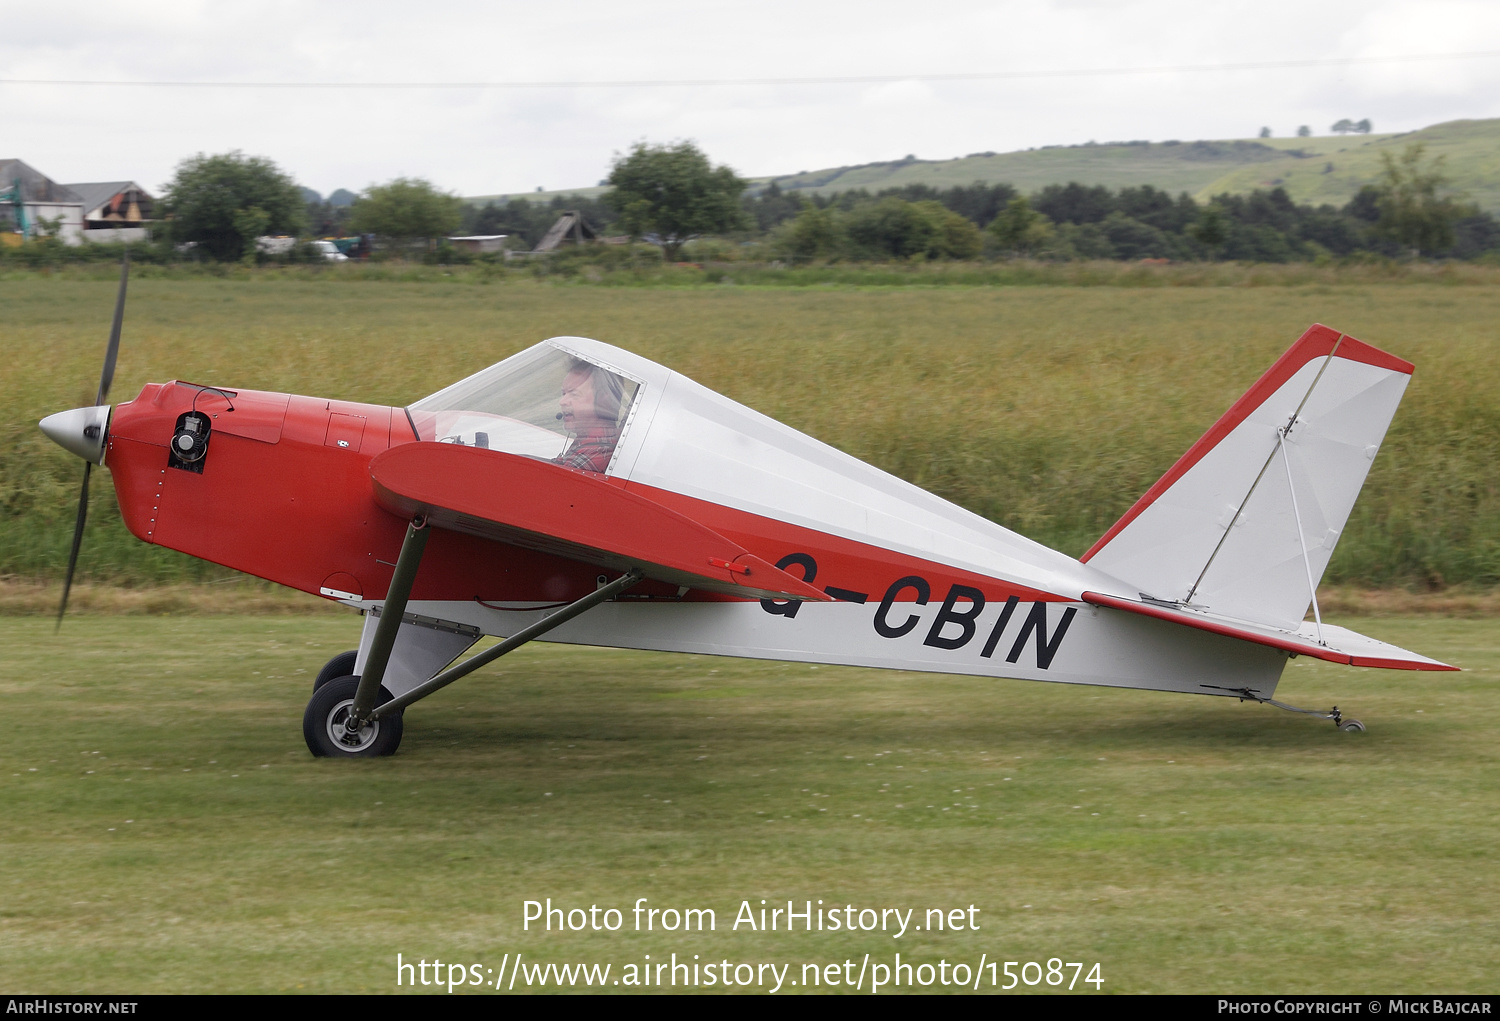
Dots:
(283, 491)
(684, 490)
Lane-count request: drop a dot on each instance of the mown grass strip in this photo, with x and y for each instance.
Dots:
(167, 831)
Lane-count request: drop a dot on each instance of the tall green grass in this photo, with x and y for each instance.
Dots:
(1049, 409)
(715, 262)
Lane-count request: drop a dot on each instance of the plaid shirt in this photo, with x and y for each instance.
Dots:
(590, 450)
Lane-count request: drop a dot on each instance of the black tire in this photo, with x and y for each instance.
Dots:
(341, 665)
(322, 723)
(1352, 727)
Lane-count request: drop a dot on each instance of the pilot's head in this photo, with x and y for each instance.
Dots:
(591, 398)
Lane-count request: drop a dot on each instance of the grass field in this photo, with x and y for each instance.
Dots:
(166, 830)
(1047, 409)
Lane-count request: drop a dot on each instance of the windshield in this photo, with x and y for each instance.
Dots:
(544, 402)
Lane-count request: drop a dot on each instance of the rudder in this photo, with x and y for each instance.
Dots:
(1243, 525)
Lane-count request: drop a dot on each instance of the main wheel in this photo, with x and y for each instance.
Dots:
(1352, 727)
(341, 665)
(323, 723)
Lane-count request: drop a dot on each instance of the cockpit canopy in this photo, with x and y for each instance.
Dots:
(663, 433)
(546, 402)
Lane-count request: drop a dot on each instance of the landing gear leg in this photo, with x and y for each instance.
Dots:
(358, 716)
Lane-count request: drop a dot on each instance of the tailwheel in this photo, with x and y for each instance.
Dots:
(341, 665)
(324, 730)
(1347, 724)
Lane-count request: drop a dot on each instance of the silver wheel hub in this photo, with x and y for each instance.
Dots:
(347, 740)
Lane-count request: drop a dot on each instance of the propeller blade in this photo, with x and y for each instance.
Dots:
(105, 379)
(83, 514)
(108, 375)
(111, 352)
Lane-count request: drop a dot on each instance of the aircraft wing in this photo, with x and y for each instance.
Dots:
(543, 506)
(1338, 645)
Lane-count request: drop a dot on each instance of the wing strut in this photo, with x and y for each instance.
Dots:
(515, 641)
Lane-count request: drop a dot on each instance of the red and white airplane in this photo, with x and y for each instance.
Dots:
(584, 493)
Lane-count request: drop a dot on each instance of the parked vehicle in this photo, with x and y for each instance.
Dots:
(330, 251)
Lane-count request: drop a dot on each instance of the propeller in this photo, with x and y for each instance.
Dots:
(111, 352)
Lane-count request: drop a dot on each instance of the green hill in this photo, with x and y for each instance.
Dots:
(1472, 149)
(1170, 166)
(1316, 170)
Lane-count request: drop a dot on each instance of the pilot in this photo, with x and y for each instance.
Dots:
(590, 411)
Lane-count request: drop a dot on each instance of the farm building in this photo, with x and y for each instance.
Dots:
(479, 244)
(115, 210)
(570, 228)
(28, 197)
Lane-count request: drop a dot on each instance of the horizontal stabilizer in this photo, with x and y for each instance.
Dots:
(1339, 645)
(543, 506)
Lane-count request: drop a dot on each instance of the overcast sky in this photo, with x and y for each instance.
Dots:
(494, 140)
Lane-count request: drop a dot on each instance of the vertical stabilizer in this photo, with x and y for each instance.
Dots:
(1244, 523)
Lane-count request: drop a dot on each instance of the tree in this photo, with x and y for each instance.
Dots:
(1342, 127)
(327, 218)
(1265, 132)
(1020, 228)
(670, 194)
(956, 237)
(1212, 229)
(223, 203)
(814, 233)
(1074, 203)
(1133, 239)
(891, 228)
(406, 210)
(1364, 127)
(1411, 213)
(1304, 131)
